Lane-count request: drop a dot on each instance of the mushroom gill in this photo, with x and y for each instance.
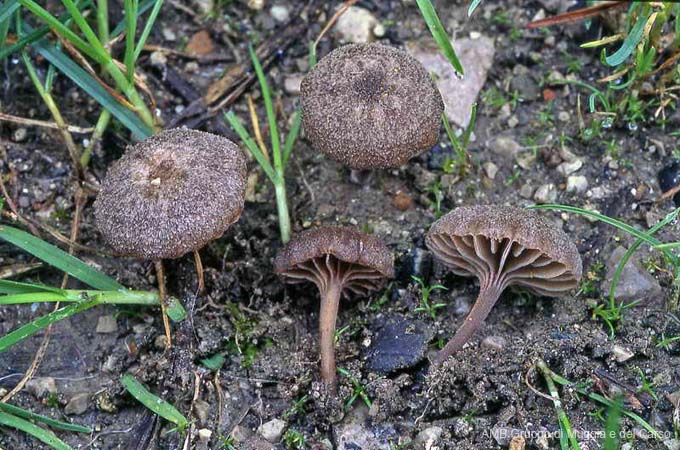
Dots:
(502, 247)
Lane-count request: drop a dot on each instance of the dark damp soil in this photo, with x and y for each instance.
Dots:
(267, 331)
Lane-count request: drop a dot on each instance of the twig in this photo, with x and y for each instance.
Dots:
(42, 123)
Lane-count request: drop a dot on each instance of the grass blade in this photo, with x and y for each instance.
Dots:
(92, 87)
(147, 27)
(14, 287)
(473, 5)
(602, 218)
(8, 9)
(59, 259)
(41, 434)
(144, 7)
(439, 34)
(28, 330)
(612, 426)
(252, 147)
(269, 107)
(629, 44)
(19, 412)
(153, 402)
(131, 8)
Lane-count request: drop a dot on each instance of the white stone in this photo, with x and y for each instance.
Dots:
(622, 354)
(458, 92)
(292, 84)
(546, 193)
(490, 169)
(356, 25)
(577, 184)
(272, 430)
(106, 324)
(280, 13)
(567, 168)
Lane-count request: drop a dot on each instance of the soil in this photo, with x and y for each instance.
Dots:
(267, 331)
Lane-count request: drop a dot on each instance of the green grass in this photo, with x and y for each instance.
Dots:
(358, 392)
(425, 291)
(611, 311)
(154, 403)
(122, 99)
(439, 34)
(275, 170)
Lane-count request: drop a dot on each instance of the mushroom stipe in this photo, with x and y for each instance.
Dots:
(338, 260)
(502, 246)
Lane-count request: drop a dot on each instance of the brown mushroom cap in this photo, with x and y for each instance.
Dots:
(318, 254)
(171, 194)
(370, 106)
(513, 245)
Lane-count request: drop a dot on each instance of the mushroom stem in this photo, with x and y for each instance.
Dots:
(199, 272)
(480, 310)
(330, 301)
(163, 297)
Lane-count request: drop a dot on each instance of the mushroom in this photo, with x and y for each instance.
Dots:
(370, 106)
(502, 246)
(338, 260)
(169, 195)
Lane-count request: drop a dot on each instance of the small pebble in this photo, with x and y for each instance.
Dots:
(494, 342)
(20, 135)
(622, 354)
(256, 5)
(272, 430)
(546, 193)
(577, 184)
(106, 324)
(280, 13)
(41, 386)
(490, 169)
(78, 404)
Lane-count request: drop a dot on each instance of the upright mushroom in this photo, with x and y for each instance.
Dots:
(338, 260)
(370, 106)
(169, 195)
(502, 246)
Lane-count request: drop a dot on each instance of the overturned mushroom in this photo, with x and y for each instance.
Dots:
(171, 194)
(502, 246)
(370, 106)
(338, 260)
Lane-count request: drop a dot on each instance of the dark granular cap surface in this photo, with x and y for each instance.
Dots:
(346, 244)
(370, 106)
(171, 194)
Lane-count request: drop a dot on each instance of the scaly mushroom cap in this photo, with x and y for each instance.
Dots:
(370, 106)
(507, 246)
(321, 254)
(171, 194)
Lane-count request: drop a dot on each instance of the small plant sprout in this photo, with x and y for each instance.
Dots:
(338, 260)
(358, 392)
(370, 106)
(425, 291)
(502, 246)
(461, 159)
(169, 195)
(274, 167)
